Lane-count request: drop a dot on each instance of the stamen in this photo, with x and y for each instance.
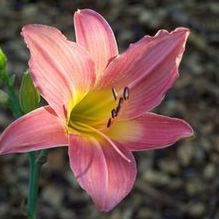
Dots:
(120, 101)
(115, 94)
(114, 113)
(126, 93)
(119, 105)
(109, 123)
(118, 109)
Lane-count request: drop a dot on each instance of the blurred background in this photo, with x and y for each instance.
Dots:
(180, 182)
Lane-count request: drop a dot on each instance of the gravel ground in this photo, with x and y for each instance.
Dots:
(180, 182)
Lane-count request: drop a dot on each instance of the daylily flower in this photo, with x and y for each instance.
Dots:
(99, 102)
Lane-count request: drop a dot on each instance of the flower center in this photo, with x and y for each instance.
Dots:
(97, 111)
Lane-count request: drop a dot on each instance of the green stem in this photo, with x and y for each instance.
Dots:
(36, 159)
(35, 168)
(13, 100)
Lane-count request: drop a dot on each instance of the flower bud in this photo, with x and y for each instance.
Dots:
(29, 97)
(3, 62)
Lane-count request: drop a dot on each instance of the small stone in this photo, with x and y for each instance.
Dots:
(155, 177)
(209, 171)
(3, 208)
(30, 11)
(217, 143)
(197, 209)
(195, 186)
(144, 213)
(52, 195)
(67, 214)
(169, 166)
(185, 154)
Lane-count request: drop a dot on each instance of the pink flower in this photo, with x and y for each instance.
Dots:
(99, 102)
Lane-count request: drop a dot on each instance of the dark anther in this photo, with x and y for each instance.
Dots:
(113, 113)
(109, 123)
(126, 93)
(115, 94)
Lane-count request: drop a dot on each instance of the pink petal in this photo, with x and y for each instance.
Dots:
(59, 67)
(39, 129)
(94, 33)
(149, 68)
(149, 131)
(101, 171)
